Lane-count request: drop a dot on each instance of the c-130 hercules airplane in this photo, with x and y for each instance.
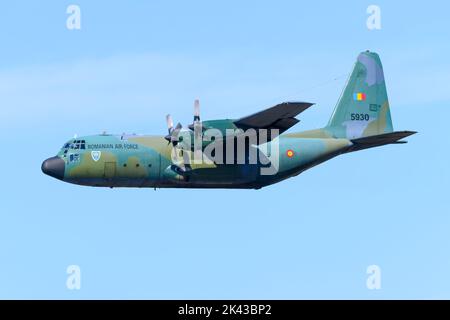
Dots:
(255, 153)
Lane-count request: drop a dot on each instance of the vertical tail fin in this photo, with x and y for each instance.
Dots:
(363, 108)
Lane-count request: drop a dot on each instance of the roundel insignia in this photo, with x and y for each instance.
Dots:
(290, 153)
(96, 155)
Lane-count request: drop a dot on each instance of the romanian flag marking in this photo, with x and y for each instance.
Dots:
(290, 153)
(359, 96)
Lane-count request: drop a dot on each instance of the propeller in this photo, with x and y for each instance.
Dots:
(173, 136)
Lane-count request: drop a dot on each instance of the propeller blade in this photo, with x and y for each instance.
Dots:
(196, 110)
(196, 114)
(178, 127)
(169, 121)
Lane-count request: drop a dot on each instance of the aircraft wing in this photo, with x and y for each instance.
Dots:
(281, 117)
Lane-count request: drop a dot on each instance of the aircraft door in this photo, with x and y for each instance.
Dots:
(110, 170)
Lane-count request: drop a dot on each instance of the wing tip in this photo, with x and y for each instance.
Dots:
(299, 103)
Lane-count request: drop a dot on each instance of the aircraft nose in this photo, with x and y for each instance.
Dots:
(54, 167)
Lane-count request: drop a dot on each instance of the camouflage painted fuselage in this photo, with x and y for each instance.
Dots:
(145, 161)
(361, 120)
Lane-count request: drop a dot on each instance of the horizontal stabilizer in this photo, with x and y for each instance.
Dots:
(380, 140)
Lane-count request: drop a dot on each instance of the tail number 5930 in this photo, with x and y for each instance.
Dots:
(359, 116)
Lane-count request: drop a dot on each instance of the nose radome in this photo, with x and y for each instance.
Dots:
(54, 167)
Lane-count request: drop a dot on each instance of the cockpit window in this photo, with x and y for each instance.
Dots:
(75, 145)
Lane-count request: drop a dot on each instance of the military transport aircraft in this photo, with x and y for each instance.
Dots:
(250, 152)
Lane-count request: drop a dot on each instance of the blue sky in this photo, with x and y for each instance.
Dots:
(312, 236)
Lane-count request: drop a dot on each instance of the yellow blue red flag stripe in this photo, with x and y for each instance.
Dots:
(359, 96)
